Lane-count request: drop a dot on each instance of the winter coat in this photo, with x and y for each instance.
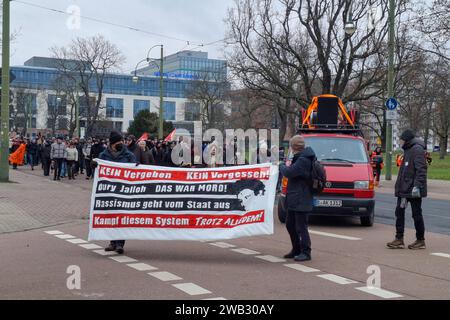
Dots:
(47, 148)
(87, 151)
(32, 148)
(58, 151)
(299, 194)
(158, 155)
(96, 150)
(72, 154)
(145, 157)
(413, 170)
(124, 156)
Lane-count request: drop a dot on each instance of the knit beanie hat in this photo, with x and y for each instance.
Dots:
(297, 143)
(407, 135)
(114, 137)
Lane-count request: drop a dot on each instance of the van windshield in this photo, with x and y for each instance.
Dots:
(338, 149)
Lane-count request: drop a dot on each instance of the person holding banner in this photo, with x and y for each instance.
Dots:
(299, 198)
(117, 152)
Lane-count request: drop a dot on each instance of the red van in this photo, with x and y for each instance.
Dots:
(349, 190)
(342, 150)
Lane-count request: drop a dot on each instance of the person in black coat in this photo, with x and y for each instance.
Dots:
(32, 150)
(410, 187)
(96, 149)
(117, 152)
(46, 159)
(299, 198)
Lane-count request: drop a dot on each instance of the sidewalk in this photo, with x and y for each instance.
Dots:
(437, 189)
(33, 201)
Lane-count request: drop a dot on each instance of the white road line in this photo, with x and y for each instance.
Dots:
(218, 298)
(440, 254)
(142, 266)
(245, 251)
(333, 235)
(123, 259)
(222, 245)
(105, 253)
(380, 292)
(165, 276)
(53, 232)
(191, 288)
(336, 279)
(301, 267)
(271, 258)
(76, 241)
(90, 246)
(65, 236)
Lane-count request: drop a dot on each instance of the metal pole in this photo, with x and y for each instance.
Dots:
(77, 119)
(4, 127)
(161, 98)
(390, 88)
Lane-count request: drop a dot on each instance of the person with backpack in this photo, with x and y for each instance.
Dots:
(377, 165)
(299, 197)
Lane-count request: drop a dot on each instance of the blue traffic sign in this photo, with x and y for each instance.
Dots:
(391, 104)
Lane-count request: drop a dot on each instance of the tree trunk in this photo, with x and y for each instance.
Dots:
(443, 144)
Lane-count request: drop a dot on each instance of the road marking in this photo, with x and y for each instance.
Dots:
(245, 251)
(76, 241)
(301, 267)
(90, 246)
(336, 279)
(65, 236)
(380, 292)
(142, 266)
(218, 298)
(333, 235)
(440, 254)
(165, 276)
(191, 288)
(271, 258)
(53, 232)
(222, 245)
(105, 253)
(122, 259)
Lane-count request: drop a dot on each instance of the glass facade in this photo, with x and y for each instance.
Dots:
(56, 105)
(169, 110)
(114, 108)
(139, 105)
(44, 79)
(192, 111)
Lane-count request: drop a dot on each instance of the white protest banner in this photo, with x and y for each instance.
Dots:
(163, 203)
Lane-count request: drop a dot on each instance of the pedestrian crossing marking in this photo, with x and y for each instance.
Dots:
(336, 279)
(379, 292)
(301, 267)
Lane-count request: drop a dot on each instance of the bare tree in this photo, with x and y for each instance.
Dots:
(86, 62)
(210, 91)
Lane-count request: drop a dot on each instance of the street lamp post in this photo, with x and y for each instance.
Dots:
(161, 86)
(4, 124)
(390, 88)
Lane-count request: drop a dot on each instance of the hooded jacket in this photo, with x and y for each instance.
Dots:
(413, 170)
(299, 195)
(124, 156)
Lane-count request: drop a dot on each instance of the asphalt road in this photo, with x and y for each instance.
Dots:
(436, 213)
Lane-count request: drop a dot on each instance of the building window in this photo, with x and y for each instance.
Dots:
(192, 111)
(57, 105)
(139, 105)
(118, 126)
(114, 108)
(169, 110)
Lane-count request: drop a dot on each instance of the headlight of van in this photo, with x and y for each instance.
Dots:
(361, 185)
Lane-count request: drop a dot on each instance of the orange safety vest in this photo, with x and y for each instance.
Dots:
(17, 156)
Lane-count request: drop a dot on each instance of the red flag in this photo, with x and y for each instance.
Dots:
(170, 136)
(143, 137)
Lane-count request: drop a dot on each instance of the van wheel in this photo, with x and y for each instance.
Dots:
(367, 221)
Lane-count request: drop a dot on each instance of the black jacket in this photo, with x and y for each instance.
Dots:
(32, 148)
(413, 171)
(124, 156)
(299, 195)
(96, 149)
(46, 151)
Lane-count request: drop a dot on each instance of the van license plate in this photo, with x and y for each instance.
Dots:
(328, 203)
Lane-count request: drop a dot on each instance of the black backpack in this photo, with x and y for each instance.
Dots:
(318, 177)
